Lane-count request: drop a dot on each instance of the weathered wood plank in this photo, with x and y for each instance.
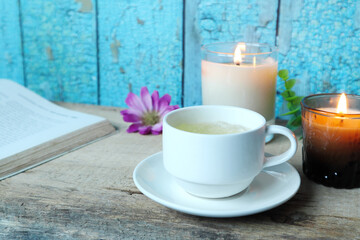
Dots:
(11, 62)
(319, 44)
(140, 44)
(60, 50)
(192, 55)
(90, 194)
(213, 21)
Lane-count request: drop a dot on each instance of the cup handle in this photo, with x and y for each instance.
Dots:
(276, 160)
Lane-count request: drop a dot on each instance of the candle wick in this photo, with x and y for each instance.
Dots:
(238, 64)
(342, 120)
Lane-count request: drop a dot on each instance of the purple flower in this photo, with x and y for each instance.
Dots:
(146, 113)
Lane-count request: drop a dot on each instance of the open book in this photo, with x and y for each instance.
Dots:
(34, 130)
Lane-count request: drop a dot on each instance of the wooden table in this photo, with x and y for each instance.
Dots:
(89, 194)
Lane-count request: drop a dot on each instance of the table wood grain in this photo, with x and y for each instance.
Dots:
(89, 194)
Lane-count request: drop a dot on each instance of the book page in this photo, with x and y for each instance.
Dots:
(27, 120)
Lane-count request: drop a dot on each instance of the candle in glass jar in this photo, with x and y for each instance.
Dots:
(240, 79)
(245, 85)
(331, 145)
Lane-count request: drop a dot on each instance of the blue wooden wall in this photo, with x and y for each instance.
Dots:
(96, 51)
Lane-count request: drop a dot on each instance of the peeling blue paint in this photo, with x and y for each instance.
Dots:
(60, 50)
(231, 20)
(320, 45)
(11, 62)
(96, 51)
(149, 51)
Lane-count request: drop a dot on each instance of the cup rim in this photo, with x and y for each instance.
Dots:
(214, 106)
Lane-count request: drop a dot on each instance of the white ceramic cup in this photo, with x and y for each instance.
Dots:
(216, 166)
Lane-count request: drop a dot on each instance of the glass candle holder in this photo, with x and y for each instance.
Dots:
(246, 78)
(331, 140)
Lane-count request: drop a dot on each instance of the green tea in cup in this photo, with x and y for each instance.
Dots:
(218, 127)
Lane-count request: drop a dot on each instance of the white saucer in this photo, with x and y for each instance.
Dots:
(270, 188)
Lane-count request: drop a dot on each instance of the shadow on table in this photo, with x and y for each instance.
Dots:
(296, 211)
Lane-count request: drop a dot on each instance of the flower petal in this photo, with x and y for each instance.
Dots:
(167, 109)
(164, 103)
(155, 100)
(144, 130)
(163, 113)
(146, 98)
(134, 127)
(134, 102)
(131, 111)
(166, 98)
(157, 128)
(174, 107)
(131, 118)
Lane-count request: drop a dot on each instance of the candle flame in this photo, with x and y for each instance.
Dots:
(237, 53)
(254, 61)
(342, 105)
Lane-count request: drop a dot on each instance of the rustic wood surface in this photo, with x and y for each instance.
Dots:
(90, 194)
